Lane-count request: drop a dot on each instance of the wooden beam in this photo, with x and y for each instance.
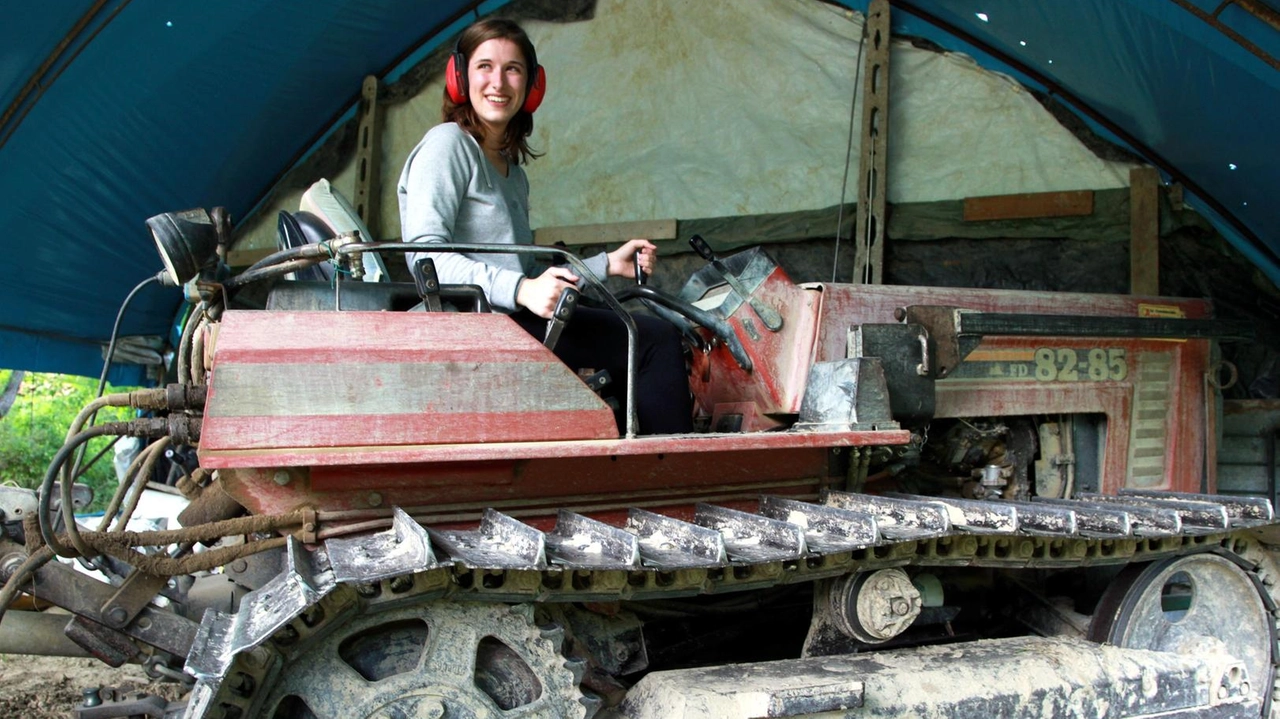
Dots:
(368, 152)
(1028, 206)
(869, 225)
(1144, 231)
(605, 234)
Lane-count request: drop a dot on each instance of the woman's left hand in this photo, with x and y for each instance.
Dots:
(622, 261)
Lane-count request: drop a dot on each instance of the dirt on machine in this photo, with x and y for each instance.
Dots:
(898, 502)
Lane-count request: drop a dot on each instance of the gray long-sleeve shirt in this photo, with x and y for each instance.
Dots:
(449, 192)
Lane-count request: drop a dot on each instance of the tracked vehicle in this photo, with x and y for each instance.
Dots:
(901, 501)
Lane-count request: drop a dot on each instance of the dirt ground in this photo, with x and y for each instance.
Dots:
(51, 687)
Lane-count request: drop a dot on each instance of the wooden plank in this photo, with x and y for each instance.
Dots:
(368, 154)
(869, 226)
(605, 234)
(1075, 203)
(1144, 231)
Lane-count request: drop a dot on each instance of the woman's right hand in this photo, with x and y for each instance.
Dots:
(540, 294)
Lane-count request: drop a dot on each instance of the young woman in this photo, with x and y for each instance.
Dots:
(464, 183)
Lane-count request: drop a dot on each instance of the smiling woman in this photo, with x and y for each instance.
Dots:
(464, 183)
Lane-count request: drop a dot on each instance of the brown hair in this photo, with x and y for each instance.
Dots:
(515, 141)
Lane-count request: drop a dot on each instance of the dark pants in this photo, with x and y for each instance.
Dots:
(597, 339)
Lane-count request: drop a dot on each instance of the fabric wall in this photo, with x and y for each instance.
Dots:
(667, 109)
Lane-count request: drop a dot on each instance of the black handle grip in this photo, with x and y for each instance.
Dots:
(702, 248)
(640, 277)
(566, 304)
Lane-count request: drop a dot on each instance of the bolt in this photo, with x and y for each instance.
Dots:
(10, 563)
(286, 636)
(402, 583)
(241, 684)
(255, 659)
(431, 708)
(375, 499)
(117, 616)
(143, 623)
(239, 566)
(281, 477)
(92, 697)
(900, 607)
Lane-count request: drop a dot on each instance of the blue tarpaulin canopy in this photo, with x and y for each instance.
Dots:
(117, 110)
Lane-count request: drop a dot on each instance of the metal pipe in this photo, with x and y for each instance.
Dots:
(38, 633)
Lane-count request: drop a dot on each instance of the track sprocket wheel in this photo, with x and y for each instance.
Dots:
(439, 660)
(1213, 602)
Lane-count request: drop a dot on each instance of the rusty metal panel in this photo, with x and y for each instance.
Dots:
(589, 477)
(296, 380)
(847, 305)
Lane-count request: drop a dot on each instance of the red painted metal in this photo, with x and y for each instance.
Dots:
(780, 359)
(1183, 424)
(291, 380)
(449, 414)
(593, 481)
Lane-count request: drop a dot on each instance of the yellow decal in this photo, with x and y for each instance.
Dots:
(1167, 311)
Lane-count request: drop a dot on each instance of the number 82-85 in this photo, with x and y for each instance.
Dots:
(1064, 364)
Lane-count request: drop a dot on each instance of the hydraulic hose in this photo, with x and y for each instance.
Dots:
(19, 577)
(182, 428)
(46, 492)
(291, 253)
(250, 276)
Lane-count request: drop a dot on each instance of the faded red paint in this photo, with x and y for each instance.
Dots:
(780, 359)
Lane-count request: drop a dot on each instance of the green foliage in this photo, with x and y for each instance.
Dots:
(36, 427)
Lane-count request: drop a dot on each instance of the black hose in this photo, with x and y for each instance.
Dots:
(263, 273)
(115, 330)
(289, 253)
(46, 489)
(111, 350)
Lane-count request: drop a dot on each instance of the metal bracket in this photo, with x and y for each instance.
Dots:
(82, 594)
(134, 594)
(262, 612)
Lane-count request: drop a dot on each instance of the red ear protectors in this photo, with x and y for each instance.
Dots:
(455, 82)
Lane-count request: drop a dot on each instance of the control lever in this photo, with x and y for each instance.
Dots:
(565, 306)
(597, 381)
(769, 316)
(640, 278)
(428, 283)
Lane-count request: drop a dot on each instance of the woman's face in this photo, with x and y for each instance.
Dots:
(496, 81)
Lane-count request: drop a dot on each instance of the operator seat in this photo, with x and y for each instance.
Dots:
(324, 213)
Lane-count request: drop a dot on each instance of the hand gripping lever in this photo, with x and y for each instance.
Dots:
(769, 316)
(560, 316)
